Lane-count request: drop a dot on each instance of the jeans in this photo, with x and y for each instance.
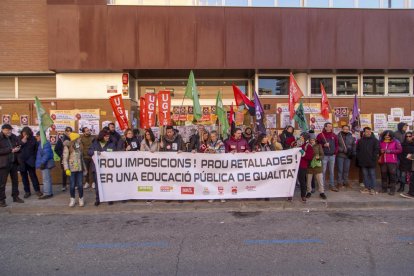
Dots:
(388, 176)
(96, 187)
(89, 176)
(329, 161)
(406, 177)
(47, 182)
(76, 180)
(343, 169)
(30, 171)
(370, 178)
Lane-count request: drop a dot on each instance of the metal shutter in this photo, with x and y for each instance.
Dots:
(43, 87)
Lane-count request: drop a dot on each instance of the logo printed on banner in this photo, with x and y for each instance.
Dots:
(234, 190)
(166, 189)
(187, 190)
(251, 188)
(145, 188)
(220, 190)
(206, 191)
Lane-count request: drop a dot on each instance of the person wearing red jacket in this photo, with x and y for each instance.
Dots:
(236, 143)
(307, 156)
(330, 146)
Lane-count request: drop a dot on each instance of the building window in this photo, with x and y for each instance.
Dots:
(7, 87)
(289, 3)
(43, 87)
(343, 3)
(207, 88)
(370, 4)
(317, 3)
(394, 4)
(373, 85)
(274, 86)
(211, 2)
(398, 85)
(316, 85)
(263, 3)
(239, 3)
(346, 85)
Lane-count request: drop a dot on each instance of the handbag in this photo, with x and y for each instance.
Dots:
(316, 163)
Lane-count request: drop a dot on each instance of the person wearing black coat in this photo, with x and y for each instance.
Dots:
(406, 162)
(367, 151)
(101, 143)
(129, 143)
(27, 162)
(8, 149)
(115, 137)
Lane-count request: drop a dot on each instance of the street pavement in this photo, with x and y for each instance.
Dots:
(348, 234)
(215, 242)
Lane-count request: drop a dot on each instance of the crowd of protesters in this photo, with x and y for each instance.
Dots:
(321, 154)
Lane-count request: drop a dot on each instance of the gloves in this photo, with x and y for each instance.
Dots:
(42, 166)
(68, 172)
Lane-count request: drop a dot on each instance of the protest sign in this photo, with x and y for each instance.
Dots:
(188, 176)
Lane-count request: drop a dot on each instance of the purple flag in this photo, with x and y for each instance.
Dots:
(355, 116)
(260, 127)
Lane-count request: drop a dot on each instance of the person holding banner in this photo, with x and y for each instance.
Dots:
(149, 143)
(205, 138)
(263, 143)
(249, 137)
(102, 143)
(129, 143)
(172, 141)
(236, 143)
(195, 139)
(215, 145)
(74, 167)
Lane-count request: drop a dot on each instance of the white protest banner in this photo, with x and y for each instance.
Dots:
(380, 122)
(188, 176)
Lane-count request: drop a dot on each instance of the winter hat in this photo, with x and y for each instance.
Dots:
(73, 136)
(312, 136)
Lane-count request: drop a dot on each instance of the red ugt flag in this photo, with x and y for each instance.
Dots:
(119, 111)
(142, 114)
(324, 103)
(294, 95)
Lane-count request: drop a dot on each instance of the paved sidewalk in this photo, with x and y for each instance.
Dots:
(345, 199)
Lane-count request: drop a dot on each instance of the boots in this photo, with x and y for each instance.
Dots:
(72, 202)
(17, 199)
(3, 203)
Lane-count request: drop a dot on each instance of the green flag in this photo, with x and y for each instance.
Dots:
(222, 116)
(44, 120)
(192, 93)
(300, 117)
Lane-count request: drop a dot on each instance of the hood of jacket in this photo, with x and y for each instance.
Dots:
(400, 127)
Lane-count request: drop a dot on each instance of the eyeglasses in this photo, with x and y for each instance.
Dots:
(409, 136)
